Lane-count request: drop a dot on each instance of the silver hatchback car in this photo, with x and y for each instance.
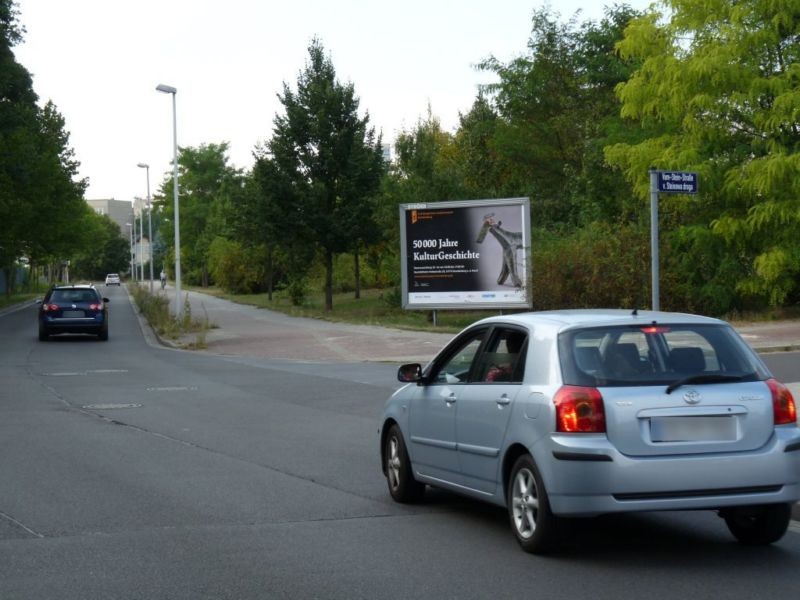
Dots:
(579, 413)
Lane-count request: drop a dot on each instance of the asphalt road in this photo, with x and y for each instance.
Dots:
(128, 471)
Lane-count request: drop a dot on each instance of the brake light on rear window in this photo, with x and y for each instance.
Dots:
(654, 329)
(784, 409)
(579, 410)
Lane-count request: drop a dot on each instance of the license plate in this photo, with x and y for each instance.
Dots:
(693, 429)
(72, 314)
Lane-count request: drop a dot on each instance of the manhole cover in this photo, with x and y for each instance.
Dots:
(110, 406)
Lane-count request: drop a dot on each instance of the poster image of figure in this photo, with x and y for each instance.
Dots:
(468, 252)
(510, 242)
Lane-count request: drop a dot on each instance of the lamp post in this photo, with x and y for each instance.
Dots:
(166, 89)
(130, 233)
(149, 221)
(137, 201)
(141, 245)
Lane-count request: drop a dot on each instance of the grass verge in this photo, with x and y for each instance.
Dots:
(6, 301)
(155, 308)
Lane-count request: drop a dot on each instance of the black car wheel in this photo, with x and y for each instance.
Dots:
(43, 335)
(103, 334)
(758, 525)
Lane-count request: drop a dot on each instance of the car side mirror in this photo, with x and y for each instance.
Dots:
(410, 373)
(106, 300)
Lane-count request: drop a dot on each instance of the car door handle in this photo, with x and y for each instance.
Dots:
(450, 399)
(503, 401)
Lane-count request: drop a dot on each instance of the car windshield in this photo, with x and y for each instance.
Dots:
(74, 296)
(656, 355)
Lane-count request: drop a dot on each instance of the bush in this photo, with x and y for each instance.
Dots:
(235, 269)
(597, 266)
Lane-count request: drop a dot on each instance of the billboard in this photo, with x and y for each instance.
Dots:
(471, 253)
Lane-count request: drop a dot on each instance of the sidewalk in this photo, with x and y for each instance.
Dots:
(242, 330)
(248, 331)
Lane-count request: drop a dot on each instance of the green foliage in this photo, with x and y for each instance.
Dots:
(597, 266)
(720, 81)
(322, 165)
(235, 268)
(108, 252)
(155, 308)
(37, 168)
(557, 111)
(208, 189)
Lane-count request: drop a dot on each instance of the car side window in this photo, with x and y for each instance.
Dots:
(456, 367)
(503, 359)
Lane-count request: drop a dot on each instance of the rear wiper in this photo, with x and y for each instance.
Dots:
(703, 378)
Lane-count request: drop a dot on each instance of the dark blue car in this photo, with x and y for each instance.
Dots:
(73, 309)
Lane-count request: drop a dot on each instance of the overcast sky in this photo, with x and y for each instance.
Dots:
(99, 61)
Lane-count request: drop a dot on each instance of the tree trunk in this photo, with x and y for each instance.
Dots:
(328, 280)
(270, 273)
(31, 277)
(204, 281)
(357, 268)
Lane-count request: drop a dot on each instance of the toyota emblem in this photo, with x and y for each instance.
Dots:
(691, 397)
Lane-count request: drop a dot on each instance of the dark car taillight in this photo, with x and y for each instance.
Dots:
(50, 307)
(95, 307)
(784, 409)
(579, 410)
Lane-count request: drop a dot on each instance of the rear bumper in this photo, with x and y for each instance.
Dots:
(85, 325)
(586, 475)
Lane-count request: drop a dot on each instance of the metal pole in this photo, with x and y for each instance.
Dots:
(150, 227)
(654, 237)
(130, 233)
(178, 303)
(141, 245)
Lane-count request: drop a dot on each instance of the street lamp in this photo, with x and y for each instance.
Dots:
(149, 221)
(137, 201)
(166, 89)
(130, 232)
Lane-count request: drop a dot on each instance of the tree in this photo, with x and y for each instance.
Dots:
(329, 162)
(41, 204)
(556, 111)
(207, 185)
(108, 252)
(721, 82)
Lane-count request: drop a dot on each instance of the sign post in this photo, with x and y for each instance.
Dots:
(667, 182)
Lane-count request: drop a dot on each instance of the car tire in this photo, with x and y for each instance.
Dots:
(534, 525)
(43, 335)
(399, 475)
(758, 525)
(103, 336)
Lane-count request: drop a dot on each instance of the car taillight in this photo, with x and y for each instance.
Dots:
(579, 410)
(49, 307)
(95, 307)
(784, 409)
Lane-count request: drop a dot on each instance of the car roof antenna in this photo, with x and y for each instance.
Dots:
(635, 312)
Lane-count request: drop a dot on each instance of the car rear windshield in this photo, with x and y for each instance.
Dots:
(74, 296)
(655, 355)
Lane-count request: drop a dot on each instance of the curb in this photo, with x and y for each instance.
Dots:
(16, 307)
(773, 349)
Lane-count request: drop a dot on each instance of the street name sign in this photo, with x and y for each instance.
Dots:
(676, 182)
